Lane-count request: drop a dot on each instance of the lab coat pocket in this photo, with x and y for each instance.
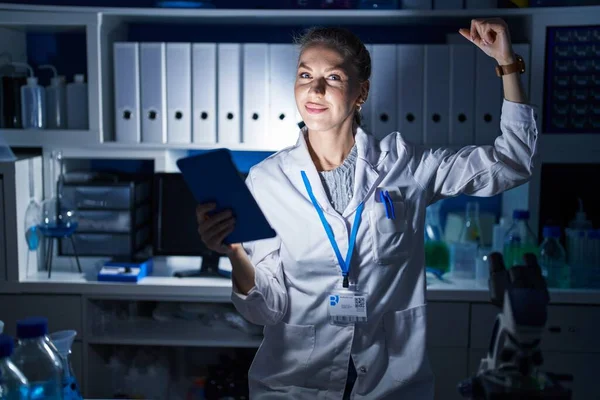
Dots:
(405, 336)
(282, 359)
(389, 241)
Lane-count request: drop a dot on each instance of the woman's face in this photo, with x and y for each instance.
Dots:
(327, 89)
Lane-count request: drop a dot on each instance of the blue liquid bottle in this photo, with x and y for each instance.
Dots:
(37, 360)
(13, 384)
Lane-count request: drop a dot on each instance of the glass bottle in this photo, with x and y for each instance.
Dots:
(519, 240)
(437, 253)
(471, 231)
(553, 259)
(59, 219)
(32, 217)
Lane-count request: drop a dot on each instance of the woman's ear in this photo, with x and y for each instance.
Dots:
(364, 90)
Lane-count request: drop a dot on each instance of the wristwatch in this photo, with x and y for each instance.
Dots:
(517, 66)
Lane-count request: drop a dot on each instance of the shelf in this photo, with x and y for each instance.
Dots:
(290, 16)
(48, 137)
(173, 333)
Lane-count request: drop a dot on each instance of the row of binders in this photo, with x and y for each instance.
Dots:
(243, 94)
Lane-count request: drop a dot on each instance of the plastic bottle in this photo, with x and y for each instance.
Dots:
(519, 240)
(580, 221)
(77, 103)
(37, 358)
(56, 101)
(13, 384)
(553, 259)
(498, 235)
(33, 101)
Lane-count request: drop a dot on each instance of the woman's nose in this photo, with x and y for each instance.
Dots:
(318, 86)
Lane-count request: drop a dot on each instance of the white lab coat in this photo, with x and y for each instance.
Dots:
(302, 356)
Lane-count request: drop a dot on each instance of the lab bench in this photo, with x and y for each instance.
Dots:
(460, 321)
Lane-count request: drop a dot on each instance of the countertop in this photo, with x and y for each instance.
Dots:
(218, 289)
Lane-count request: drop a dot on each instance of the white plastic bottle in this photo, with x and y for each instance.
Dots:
(56, 101)
(77, 103)
(33, 101)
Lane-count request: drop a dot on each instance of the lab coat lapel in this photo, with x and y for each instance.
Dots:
(366, 176)
(298, 159)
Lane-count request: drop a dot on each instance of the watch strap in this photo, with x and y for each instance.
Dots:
(517, 66)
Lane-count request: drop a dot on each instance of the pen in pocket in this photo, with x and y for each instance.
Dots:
(386, 200)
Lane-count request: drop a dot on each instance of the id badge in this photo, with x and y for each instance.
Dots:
(347, 306)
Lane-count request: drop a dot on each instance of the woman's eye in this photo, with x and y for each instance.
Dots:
(304, 75)
(335, 77)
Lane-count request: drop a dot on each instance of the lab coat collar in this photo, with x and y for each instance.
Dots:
(365, 177)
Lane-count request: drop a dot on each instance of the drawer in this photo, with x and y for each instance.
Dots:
(112, 221)
(572, 329)
(442, 315)
(483, 317)
(124, 196)
(63, 312)
(568, 328)
(105, 244)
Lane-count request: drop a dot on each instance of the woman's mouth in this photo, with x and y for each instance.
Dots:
(314, 108)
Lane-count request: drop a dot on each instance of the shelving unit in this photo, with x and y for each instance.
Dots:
(103, 26)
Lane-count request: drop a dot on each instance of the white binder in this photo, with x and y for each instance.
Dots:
(383, 88)
(127, 92)
(437, 95)
(462, 92)
(488, 99)
(410, 71)
(256, 95)
(153, 79)
(204, 93)
(283, 128)
(179, 92)
(229, 123)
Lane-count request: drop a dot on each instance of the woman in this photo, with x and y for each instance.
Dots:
(337, 189)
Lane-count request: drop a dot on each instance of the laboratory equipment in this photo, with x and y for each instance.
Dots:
(580, 221)
(498, 235)
(32, 217)
(519, 239)
(56, 100)
(59, 219)
(471, 231)
(437, 253)
(512, 366)
(63, 340)
(13, 384)
(38, 360)
(553, 259)
(175, 202)
(1, 326)
(33, 101)
(77, 103)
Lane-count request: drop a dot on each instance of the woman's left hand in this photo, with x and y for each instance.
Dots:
(491, 36)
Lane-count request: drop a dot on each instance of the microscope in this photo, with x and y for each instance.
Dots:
(511, 368)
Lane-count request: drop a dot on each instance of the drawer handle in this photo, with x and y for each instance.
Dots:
(554, 329)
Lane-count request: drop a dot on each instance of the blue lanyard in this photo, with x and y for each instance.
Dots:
(344, 264)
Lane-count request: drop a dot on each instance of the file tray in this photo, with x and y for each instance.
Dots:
(213, 178)
(125, 271)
